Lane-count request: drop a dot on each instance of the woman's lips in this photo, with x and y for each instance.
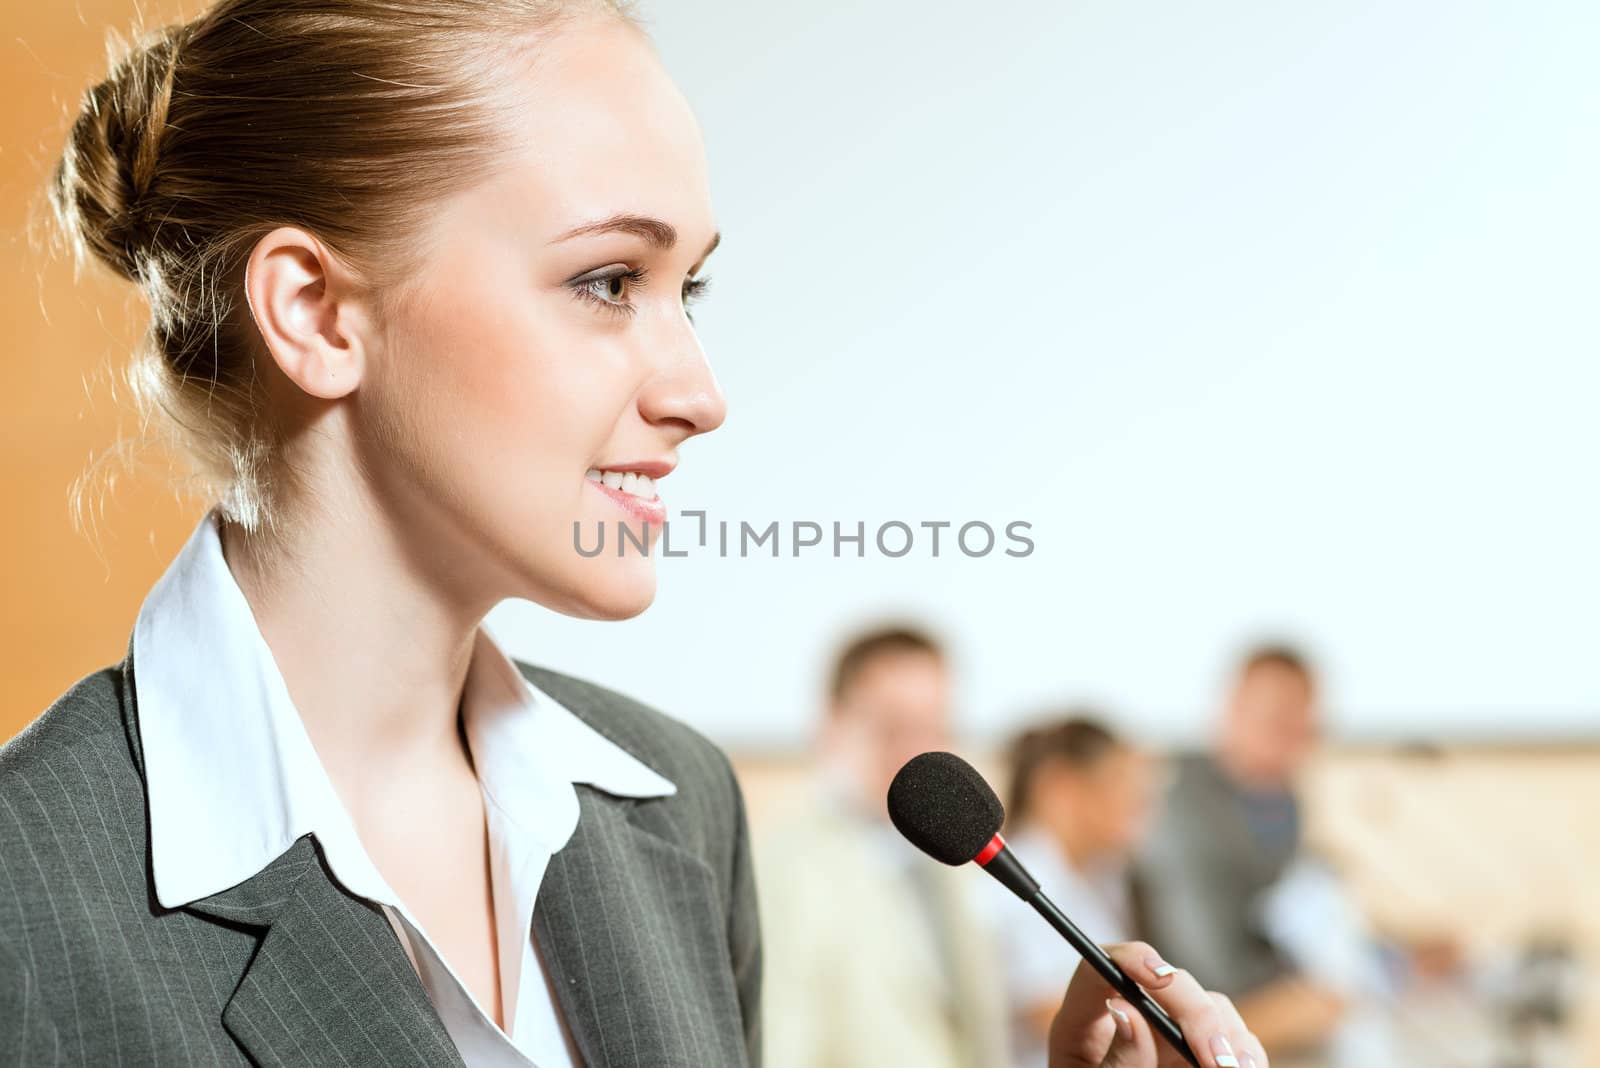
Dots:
(632, 492)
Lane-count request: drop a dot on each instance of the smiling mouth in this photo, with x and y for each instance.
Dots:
(632, 483)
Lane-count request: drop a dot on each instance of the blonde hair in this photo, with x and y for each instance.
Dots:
(348, 118)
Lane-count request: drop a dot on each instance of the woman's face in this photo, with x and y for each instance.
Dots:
(1104, 808)
(546, 343)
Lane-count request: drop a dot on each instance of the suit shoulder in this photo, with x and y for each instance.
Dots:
(71, 761)
(1195, 775)
(87, 715)
(667, 744)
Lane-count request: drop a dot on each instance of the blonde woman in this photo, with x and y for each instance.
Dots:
(419, 273)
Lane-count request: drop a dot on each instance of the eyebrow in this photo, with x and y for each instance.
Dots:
(661, 234)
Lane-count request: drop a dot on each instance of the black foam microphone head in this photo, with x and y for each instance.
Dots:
(944, 808)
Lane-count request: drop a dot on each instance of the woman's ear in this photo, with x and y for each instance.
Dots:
(306, 309)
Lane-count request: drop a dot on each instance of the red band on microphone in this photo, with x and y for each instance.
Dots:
(990, 851)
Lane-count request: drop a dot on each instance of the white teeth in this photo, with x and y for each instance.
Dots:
(629, 482)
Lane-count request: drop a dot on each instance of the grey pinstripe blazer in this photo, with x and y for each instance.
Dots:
(647, 918)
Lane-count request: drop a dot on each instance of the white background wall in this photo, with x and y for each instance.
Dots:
(1268, 317)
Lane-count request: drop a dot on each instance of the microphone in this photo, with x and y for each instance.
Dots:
(942, 806)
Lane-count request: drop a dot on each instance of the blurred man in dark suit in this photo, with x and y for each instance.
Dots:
(1229, 832)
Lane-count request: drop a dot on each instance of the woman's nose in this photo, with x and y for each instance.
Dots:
(684, 392)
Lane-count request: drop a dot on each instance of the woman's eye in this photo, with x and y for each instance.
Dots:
(694, 289)
(611, 291)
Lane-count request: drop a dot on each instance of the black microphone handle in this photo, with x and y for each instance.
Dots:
(1131, 991)
(1005, 867)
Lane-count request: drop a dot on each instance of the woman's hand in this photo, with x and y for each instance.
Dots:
(1095, 1028)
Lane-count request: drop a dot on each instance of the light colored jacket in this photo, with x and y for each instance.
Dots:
(865, 965)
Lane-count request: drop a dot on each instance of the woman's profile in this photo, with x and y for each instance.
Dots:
(419, 275)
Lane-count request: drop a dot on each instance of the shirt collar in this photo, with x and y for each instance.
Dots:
(233, 779)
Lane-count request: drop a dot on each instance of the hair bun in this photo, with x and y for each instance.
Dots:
(101, 188)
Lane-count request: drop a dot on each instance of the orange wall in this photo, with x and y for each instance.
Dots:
(70, 597)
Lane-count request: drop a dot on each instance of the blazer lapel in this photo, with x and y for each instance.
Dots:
(633, 934)
(330, 982)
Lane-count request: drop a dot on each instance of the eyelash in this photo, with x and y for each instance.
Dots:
(589, 290)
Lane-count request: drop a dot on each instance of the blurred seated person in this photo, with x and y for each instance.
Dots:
(1079, 802)
(1227, 836)
(873, 953)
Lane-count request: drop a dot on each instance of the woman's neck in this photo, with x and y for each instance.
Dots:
(1074, 846)
(372, 646)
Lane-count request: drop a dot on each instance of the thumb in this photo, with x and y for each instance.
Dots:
(1131, 1046)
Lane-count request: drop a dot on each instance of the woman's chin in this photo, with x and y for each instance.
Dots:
(620, 591)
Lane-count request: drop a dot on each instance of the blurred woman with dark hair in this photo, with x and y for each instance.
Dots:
(1080, 800)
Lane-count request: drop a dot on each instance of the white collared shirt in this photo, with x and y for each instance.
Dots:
(233, 780)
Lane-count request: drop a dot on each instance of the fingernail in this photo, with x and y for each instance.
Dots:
(1124, 1025)
(1162, 969)
(1223, 1052)
(1247, 1061)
